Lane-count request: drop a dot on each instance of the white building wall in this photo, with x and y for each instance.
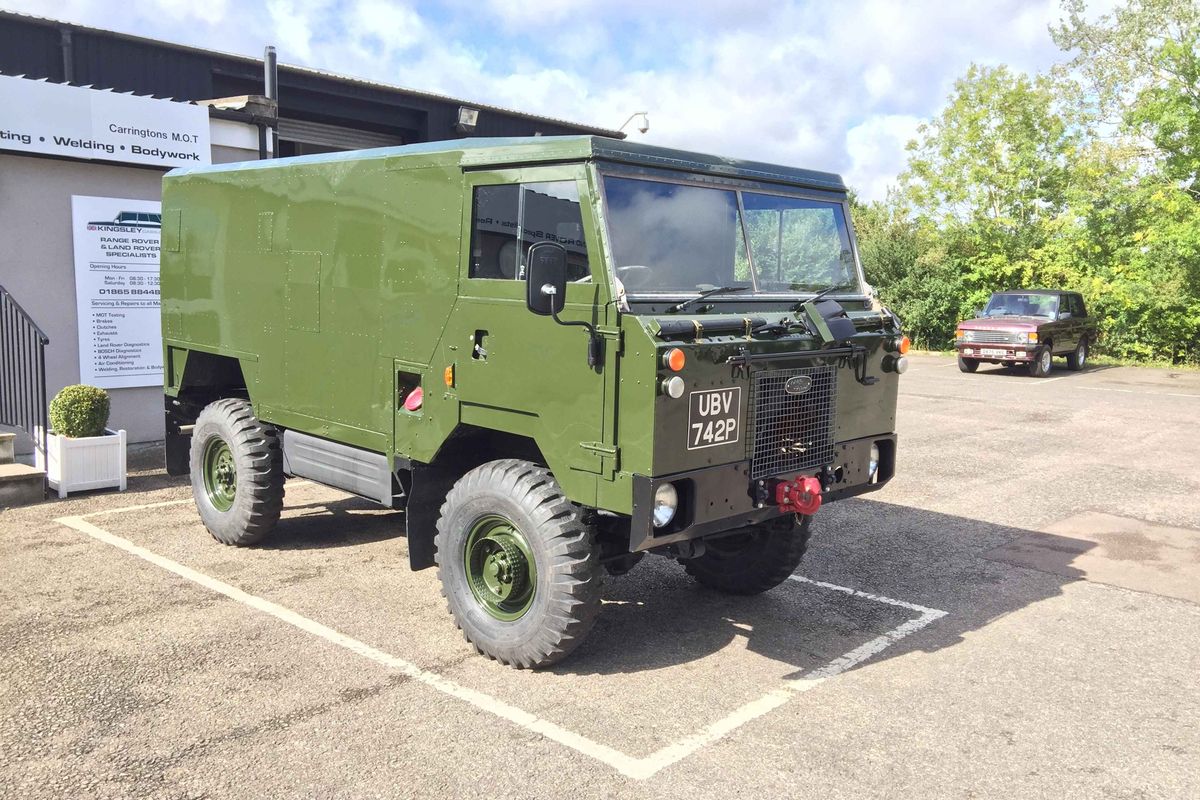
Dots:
(37, 260)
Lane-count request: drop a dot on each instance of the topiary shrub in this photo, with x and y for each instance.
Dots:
(79, 411)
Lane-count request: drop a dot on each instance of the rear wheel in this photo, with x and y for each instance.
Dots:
(1077, 359)
(755, 560)
(1039, 367)
(967, 364)
(519, 569)
(237, 472)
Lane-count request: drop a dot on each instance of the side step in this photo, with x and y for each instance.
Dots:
(341, 466)
(21, 485)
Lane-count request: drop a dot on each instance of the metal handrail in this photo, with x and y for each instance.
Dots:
(23, 374)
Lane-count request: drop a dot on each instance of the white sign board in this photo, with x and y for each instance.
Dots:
(50, 118)
(116, 291)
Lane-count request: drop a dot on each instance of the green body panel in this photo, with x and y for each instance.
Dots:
(332, 279)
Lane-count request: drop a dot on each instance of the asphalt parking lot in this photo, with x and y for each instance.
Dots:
(1017, 614)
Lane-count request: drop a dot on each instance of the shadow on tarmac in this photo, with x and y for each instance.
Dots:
(1019, 371)
(657, 616)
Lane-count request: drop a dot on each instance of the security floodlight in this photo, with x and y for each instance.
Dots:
(467, 119)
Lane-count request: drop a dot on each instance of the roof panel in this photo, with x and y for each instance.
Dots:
(482, 152)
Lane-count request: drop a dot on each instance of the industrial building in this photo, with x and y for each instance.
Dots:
(89, 122)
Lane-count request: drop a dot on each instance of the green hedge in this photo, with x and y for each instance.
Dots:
(79, 411)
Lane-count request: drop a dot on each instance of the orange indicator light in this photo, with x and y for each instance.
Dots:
(675, 359)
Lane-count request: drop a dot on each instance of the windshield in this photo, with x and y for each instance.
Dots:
(675, 238)
(1022, 305)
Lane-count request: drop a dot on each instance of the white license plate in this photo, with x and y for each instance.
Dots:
(993, 351)
(713, 417)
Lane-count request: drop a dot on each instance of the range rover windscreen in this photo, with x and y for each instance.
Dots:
(677, 239)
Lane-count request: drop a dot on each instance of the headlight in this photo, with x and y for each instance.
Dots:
(966, 336)
(873, 466)
(666, 499)
(1031, 336)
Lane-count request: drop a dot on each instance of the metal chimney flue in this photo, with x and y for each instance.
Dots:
(271, 90)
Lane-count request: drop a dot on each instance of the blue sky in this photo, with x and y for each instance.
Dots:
(839, 86)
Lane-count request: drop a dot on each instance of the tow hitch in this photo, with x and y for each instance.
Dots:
(799, 496)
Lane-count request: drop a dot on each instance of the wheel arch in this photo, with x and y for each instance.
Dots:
(196, 378)
(466, 448)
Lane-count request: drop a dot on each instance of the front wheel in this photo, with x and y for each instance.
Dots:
(519, 569)
(237, 472)
(1039, 367)
(755, 560)
(1076, 360)
(967, 364)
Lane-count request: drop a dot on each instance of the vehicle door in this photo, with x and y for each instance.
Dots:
(1058, 329)
(1080, 316)
(1072, 326)
(518, 371)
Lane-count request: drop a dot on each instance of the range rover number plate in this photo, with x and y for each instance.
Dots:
(713, 417)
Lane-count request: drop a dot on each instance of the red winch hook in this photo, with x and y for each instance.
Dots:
(799, 496)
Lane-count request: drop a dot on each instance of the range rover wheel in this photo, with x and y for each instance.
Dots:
(1039, 367)
(759, 558)
(520, 571)
(237, 472)
(1076, 360)
(967, 364)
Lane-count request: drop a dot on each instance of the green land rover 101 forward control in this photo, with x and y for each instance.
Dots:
(556, 354)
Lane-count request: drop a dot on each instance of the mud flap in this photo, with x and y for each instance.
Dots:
(430, 485)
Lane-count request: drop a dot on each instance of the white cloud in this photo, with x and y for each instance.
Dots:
(829, 86)
(876, 149)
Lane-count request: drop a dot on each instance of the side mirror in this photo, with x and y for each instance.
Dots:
(546, 278)
(1064, 315)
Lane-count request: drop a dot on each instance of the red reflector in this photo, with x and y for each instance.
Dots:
(801, 496)
(413, 401)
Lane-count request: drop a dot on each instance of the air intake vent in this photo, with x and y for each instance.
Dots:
(792, 422)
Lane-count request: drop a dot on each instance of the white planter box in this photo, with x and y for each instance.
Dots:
(93, 462)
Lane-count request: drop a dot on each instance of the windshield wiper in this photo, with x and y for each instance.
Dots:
(680, 306)
(815, 297)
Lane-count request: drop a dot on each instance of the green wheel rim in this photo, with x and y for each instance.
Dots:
(500, 568)
(220, 474)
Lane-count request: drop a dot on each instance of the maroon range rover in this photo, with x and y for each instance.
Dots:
(1026, 329)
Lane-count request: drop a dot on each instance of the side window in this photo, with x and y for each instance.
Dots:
(1079, 309)
(495, 210)
(509, 219)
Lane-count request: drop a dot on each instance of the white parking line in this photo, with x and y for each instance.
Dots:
(631, 766)
(1136, 391)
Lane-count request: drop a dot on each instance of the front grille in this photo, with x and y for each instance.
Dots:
(791, 432)
(991, 337)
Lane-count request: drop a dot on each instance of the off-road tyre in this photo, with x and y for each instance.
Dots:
(967, 364)
(1041, 364)
(250, 512)
(1077, 359)
(560, 555)
(754, 561)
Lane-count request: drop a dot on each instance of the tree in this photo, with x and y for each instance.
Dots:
(999, 153)
(1087, 178)
(1139, 67)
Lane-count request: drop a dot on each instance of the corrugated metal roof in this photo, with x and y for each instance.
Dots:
(316, 72)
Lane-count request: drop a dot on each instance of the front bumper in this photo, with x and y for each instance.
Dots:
(717, 499)
(999, 353)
